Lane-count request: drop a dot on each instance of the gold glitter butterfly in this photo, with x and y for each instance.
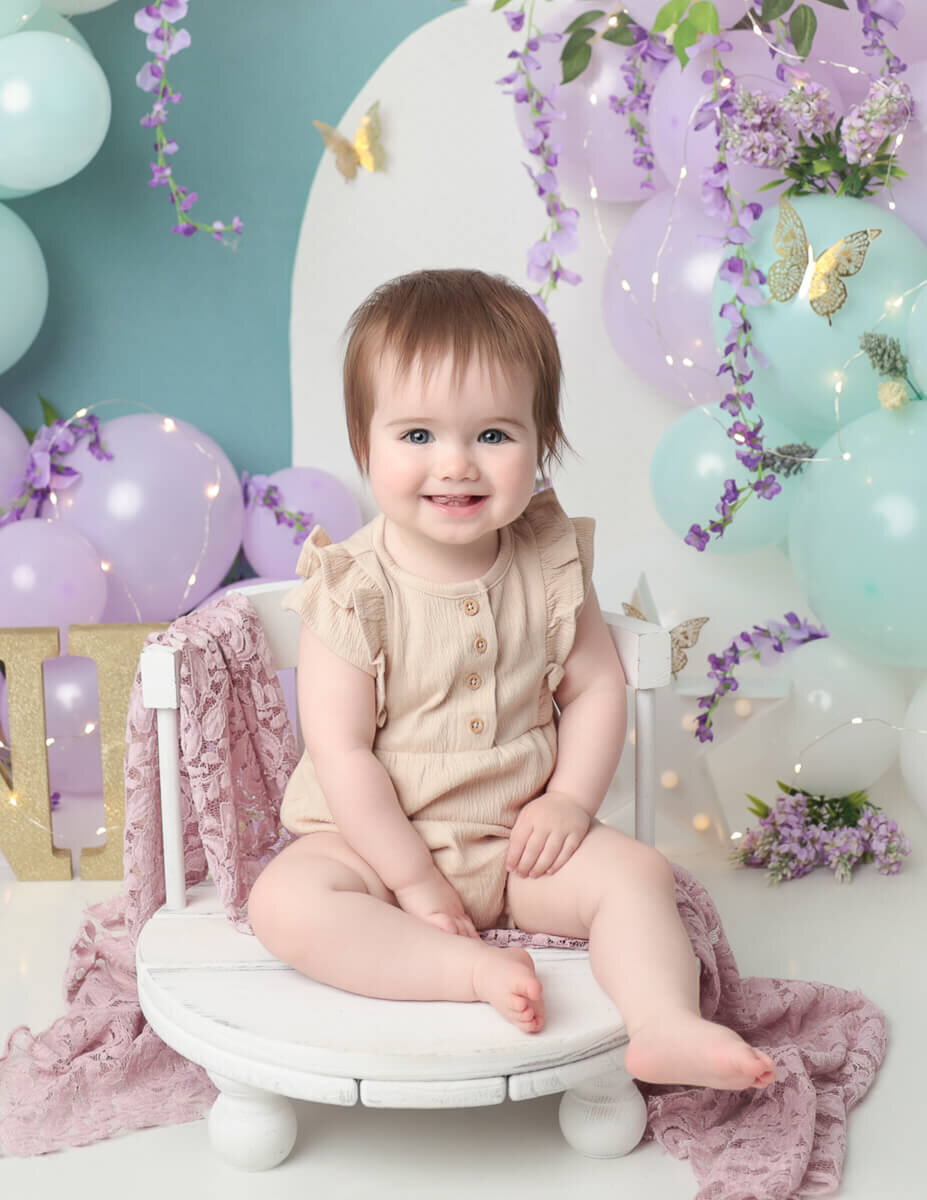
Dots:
(827, 293)
(365, 151)
(682, 636)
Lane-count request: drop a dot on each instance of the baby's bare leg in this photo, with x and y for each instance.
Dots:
(321, 908)
(620, 894)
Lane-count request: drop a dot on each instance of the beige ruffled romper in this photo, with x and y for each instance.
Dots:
(464, 679)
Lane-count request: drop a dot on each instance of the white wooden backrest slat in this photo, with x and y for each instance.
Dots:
(643, 649)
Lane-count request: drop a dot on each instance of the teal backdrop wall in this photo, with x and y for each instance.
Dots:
(186, 326)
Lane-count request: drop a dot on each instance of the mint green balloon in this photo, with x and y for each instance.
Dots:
(914, 342)
(54, 111)
(806, 354)
(23, 287)
(15, 13)
(858, 536)
(692, 460)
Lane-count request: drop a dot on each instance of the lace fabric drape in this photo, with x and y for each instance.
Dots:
(101, 1070)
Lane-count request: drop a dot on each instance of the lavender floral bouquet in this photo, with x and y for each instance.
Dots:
(801, 135)
(804, 831)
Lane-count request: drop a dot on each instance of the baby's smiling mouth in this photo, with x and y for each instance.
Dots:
(455, 501)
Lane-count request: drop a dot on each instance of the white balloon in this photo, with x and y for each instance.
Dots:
(71, 7)
(832, 687)
(913, 756)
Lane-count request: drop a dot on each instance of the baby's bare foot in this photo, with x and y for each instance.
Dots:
(506, 980)
(683, 1048)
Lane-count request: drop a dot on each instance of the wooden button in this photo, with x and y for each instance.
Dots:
(474, 681)
(476, 725)
(480, 645)
(471, 607)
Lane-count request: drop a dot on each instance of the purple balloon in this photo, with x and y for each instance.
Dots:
(72, 719)
(166, 513)
(49, 575)
(595, 146)
(14, 455)
(269, 546)
(729, 11)
(678, 93)
(647, 324)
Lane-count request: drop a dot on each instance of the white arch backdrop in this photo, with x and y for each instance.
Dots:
(454, 194)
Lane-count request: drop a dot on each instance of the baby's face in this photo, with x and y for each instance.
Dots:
(451, 462)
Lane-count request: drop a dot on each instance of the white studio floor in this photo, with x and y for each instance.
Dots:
(869, 935)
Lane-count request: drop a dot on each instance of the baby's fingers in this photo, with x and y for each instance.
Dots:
(529, 856)
(570, 844)
(548, 856)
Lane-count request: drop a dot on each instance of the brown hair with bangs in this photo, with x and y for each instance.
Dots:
(428, 314)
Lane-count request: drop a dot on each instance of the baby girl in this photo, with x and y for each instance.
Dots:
(463, 706)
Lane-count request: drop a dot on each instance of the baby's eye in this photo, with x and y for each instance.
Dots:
(494, 437)
(418, 437)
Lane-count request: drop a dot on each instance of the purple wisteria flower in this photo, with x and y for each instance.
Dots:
(543, 265)
(764, 644)
(158, 22)
(642, 67)
(873, 12)
(258, 490)
(46, 469)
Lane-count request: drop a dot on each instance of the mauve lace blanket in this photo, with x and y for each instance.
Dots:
(101, 1070)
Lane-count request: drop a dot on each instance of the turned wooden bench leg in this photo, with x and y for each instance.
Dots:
(248, 1128)
(604, 1117)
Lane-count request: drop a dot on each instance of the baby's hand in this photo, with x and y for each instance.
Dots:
(435, 900)
(546, 833)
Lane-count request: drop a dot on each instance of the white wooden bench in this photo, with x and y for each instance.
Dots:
(265, 1033)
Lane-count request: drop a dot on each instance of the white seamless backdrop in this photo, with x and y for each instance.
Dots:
(455, 193)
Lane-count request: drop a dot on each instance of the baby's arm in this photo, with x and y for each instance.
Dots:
(593, 713)
(337, 711)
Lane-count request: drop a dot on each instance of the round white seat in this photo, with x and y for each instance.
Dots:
(263, 1030)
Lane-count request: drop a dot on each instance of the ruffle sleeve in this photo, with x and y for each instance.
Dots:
(343, 606)
(565, 551)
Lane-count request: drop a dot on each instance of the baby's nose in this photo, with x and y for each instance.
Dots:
(457, 463)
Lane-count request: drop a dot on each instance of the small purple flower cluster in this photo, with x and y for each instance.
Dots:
(158, 20)
(808, 106)
(544, 264)
(257, 490)
(46, 470)
(650, 50)
(764, 644)
(795, 837)
(885, 112)
(754, 132)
